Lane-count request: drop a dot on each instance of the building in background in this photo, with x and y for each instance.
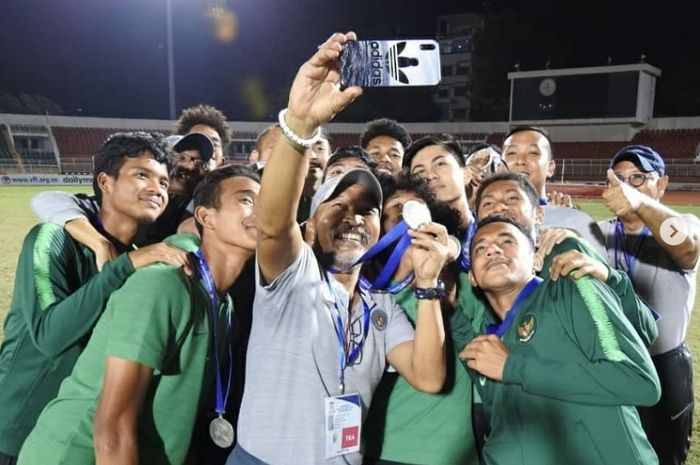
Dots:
(455, 34)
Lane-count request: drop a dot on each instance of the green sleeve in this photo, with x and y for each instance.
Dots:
(59, 307)
(617, 369)
(148, 315)
(635, 309)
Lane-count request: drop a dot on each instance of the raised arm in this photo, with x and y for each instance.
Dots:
(315, 98)
(422, 361)
(623, 200)
(115, 428)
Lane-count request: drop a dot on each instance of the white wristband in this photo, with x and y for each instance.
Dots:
(297, 142)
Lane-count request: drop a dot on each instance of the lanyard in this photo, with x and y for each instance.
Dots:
(465, 260)
(398, 232)
(500, 329)
(630, 259)
(543, 202)
(208, 283)
(347, 357)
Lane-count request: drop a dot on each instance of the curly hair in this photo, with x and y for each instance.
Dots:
(441, 212)
(385, 127)
(205, 114)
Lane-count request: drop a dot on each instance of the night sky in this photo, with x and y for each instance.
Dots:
(108, 57)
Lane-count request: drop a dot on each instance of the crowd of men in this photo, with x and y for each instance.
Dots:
(395, 302)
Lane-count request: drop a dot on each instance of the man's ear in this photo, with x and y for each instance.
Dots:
(551, 167)
(204, 216)
(661, 185)
(537, 263)
(105, 183)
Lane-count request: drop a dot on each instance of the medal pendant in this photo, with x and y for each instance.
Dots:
(221, 432)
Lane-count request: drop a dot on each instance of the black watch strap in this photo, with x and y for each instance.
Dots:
(431, 293)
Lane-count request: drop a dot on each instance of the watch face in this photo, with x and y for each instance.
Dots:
(548, 87)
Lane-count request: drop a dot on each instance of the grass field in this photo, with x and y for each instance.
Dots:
(17, 219)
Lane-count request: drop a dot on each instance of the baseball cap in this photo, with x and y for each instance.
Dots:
(645, 158)
(334, 186)
(193, 140)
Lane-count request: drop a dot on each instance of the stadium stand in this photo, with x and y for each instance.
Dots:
(672, 143)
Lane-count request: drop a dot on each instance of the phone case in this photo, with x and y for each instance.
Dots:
(390, 63)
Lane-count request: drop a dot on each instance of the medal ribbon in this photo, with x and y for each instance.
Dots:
(346, 357)
(208, 283)
(398, 232)
(464, 258)
(500, 329)
(630, 259)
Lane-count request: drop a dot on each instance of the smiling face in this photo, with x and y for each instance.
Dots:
(387, 152)
(507, 198)
(441, 171)
(502, 257)
(140, 190)
(215, 138)
(188, 171)
(233, 221)
(529, 153)
(346, 226)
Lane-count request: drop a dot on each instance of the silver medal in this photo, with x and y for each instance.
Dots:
(221, 432)
(415, 214)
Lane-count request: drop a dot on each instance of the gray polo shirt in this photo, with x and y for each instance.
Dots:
(293, 365)
(576, 220)
(659, 281)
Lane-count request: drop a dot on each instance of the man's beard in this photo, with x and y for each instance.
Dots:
(345, 260)
(184, 182)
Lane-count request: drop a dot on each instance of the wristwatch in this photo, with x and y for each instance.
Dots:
(431, 293)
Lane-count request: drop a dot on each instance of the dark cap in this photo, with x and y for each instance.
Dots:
(192, 141)
(334, 186)
(645, 158)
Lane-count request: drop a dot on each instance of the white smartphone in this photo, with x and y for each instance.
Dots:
(390, 63)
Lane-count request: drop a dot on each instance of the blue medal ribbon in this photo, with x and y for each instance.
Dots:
(208, 283)
(347, 357)
(630, 259)
(543, 202)
(499, 329)
(398, 232)
(464, 258)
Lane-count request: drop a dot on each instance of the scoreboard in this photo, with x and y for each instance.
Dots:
(612, 94)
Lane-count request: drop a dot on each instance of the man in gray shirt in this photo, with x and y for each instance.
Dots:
(319, 342)
(659, 249)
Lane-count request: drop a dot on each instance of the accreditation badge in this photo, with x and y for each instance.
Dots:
(343, 423)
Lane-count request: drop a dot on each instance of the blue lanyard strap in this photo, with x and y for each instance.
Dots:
(543, 202)
(208, 283)
(398, 232)
(464, 258)
(347, 357)
(630, 259)
(500, 329)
